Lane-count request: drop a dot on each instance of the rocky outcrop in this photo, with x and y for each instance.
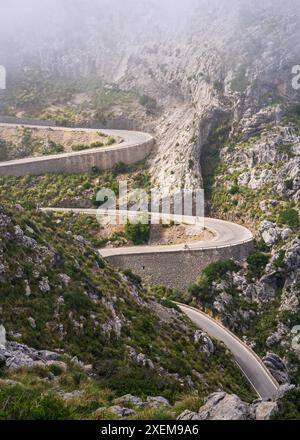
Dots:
(189, 415)
(205, 344)
(121, 411)
(264, 410)
(277, 368)
(222, 406)
(16, 355)
(150, 402)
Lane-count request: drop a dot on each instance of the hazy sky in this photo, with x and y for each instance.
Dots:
(17, 15)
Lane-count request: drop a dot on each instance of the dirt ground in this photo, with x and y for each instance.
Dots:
(42, 136)
(161, 235)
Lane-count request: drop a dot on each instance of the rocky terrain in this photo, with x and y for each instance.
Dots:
(226, 117)
(58, 295)
(19, 142)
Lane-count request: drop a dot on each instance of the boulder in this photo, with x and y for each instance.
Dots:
(19, 355)
(156, 402)
(205, 343)
(270, 233)
(129, 399)
(222, 406)
(189, 415)
(72, 395)
(2, 335)
(265, 410)
(121, 411)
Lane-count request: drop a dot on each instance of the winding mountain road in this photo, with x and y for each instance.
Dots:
(134, 146)
(249, 363)
(225, 235)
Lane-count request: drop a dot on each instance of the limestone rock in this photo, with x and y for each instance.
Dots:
(19, 355)
(222, 406)
(205, 343)
(189, 415)
(130, 399)
(156, 402)
(277, 368)
(265, 410)
(121, 411)
(2, 335)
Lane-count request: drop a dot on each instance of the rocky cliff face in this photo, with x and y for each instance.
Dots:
(196, 60)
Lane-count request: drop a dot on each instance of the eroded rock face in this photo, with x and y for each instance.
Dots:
(277, 368)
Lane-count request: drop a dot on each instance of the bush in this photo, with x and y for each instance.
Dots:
(149, 103)
(257, 262)
(19, 403)
(120, 168)
(54, 148)
(217, 270)
(289, 184)
(97, 144)
(290, 217)
(202, 289)
(80, 147)
(235, 189)
(110, 141)
(289, 407)
(138, 233)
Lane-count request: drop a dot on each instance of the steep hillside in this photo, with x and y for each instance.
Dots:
(56, 293)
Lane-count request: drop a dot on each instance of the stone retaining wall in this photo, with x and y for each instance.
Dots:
(177, 270)
(78, 162)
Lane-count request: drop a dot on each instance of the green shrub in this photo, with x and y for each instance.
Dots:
(110, 141)
(289, 217)
(77, 301)
(120, 168)
(202, 289)
(80, 147)
(56, 369)
(97, 144)
(20, 403)
(54, 148)
(138, 233)
(289, 184)
(215, 271)
(235, 189)
(135, 279)
(219, 86)
(149, 103)
(289, 407)
(142, 181)
(257, 262)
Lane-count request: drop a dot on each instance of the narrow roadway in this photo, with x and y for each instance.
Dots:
(250, 364)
